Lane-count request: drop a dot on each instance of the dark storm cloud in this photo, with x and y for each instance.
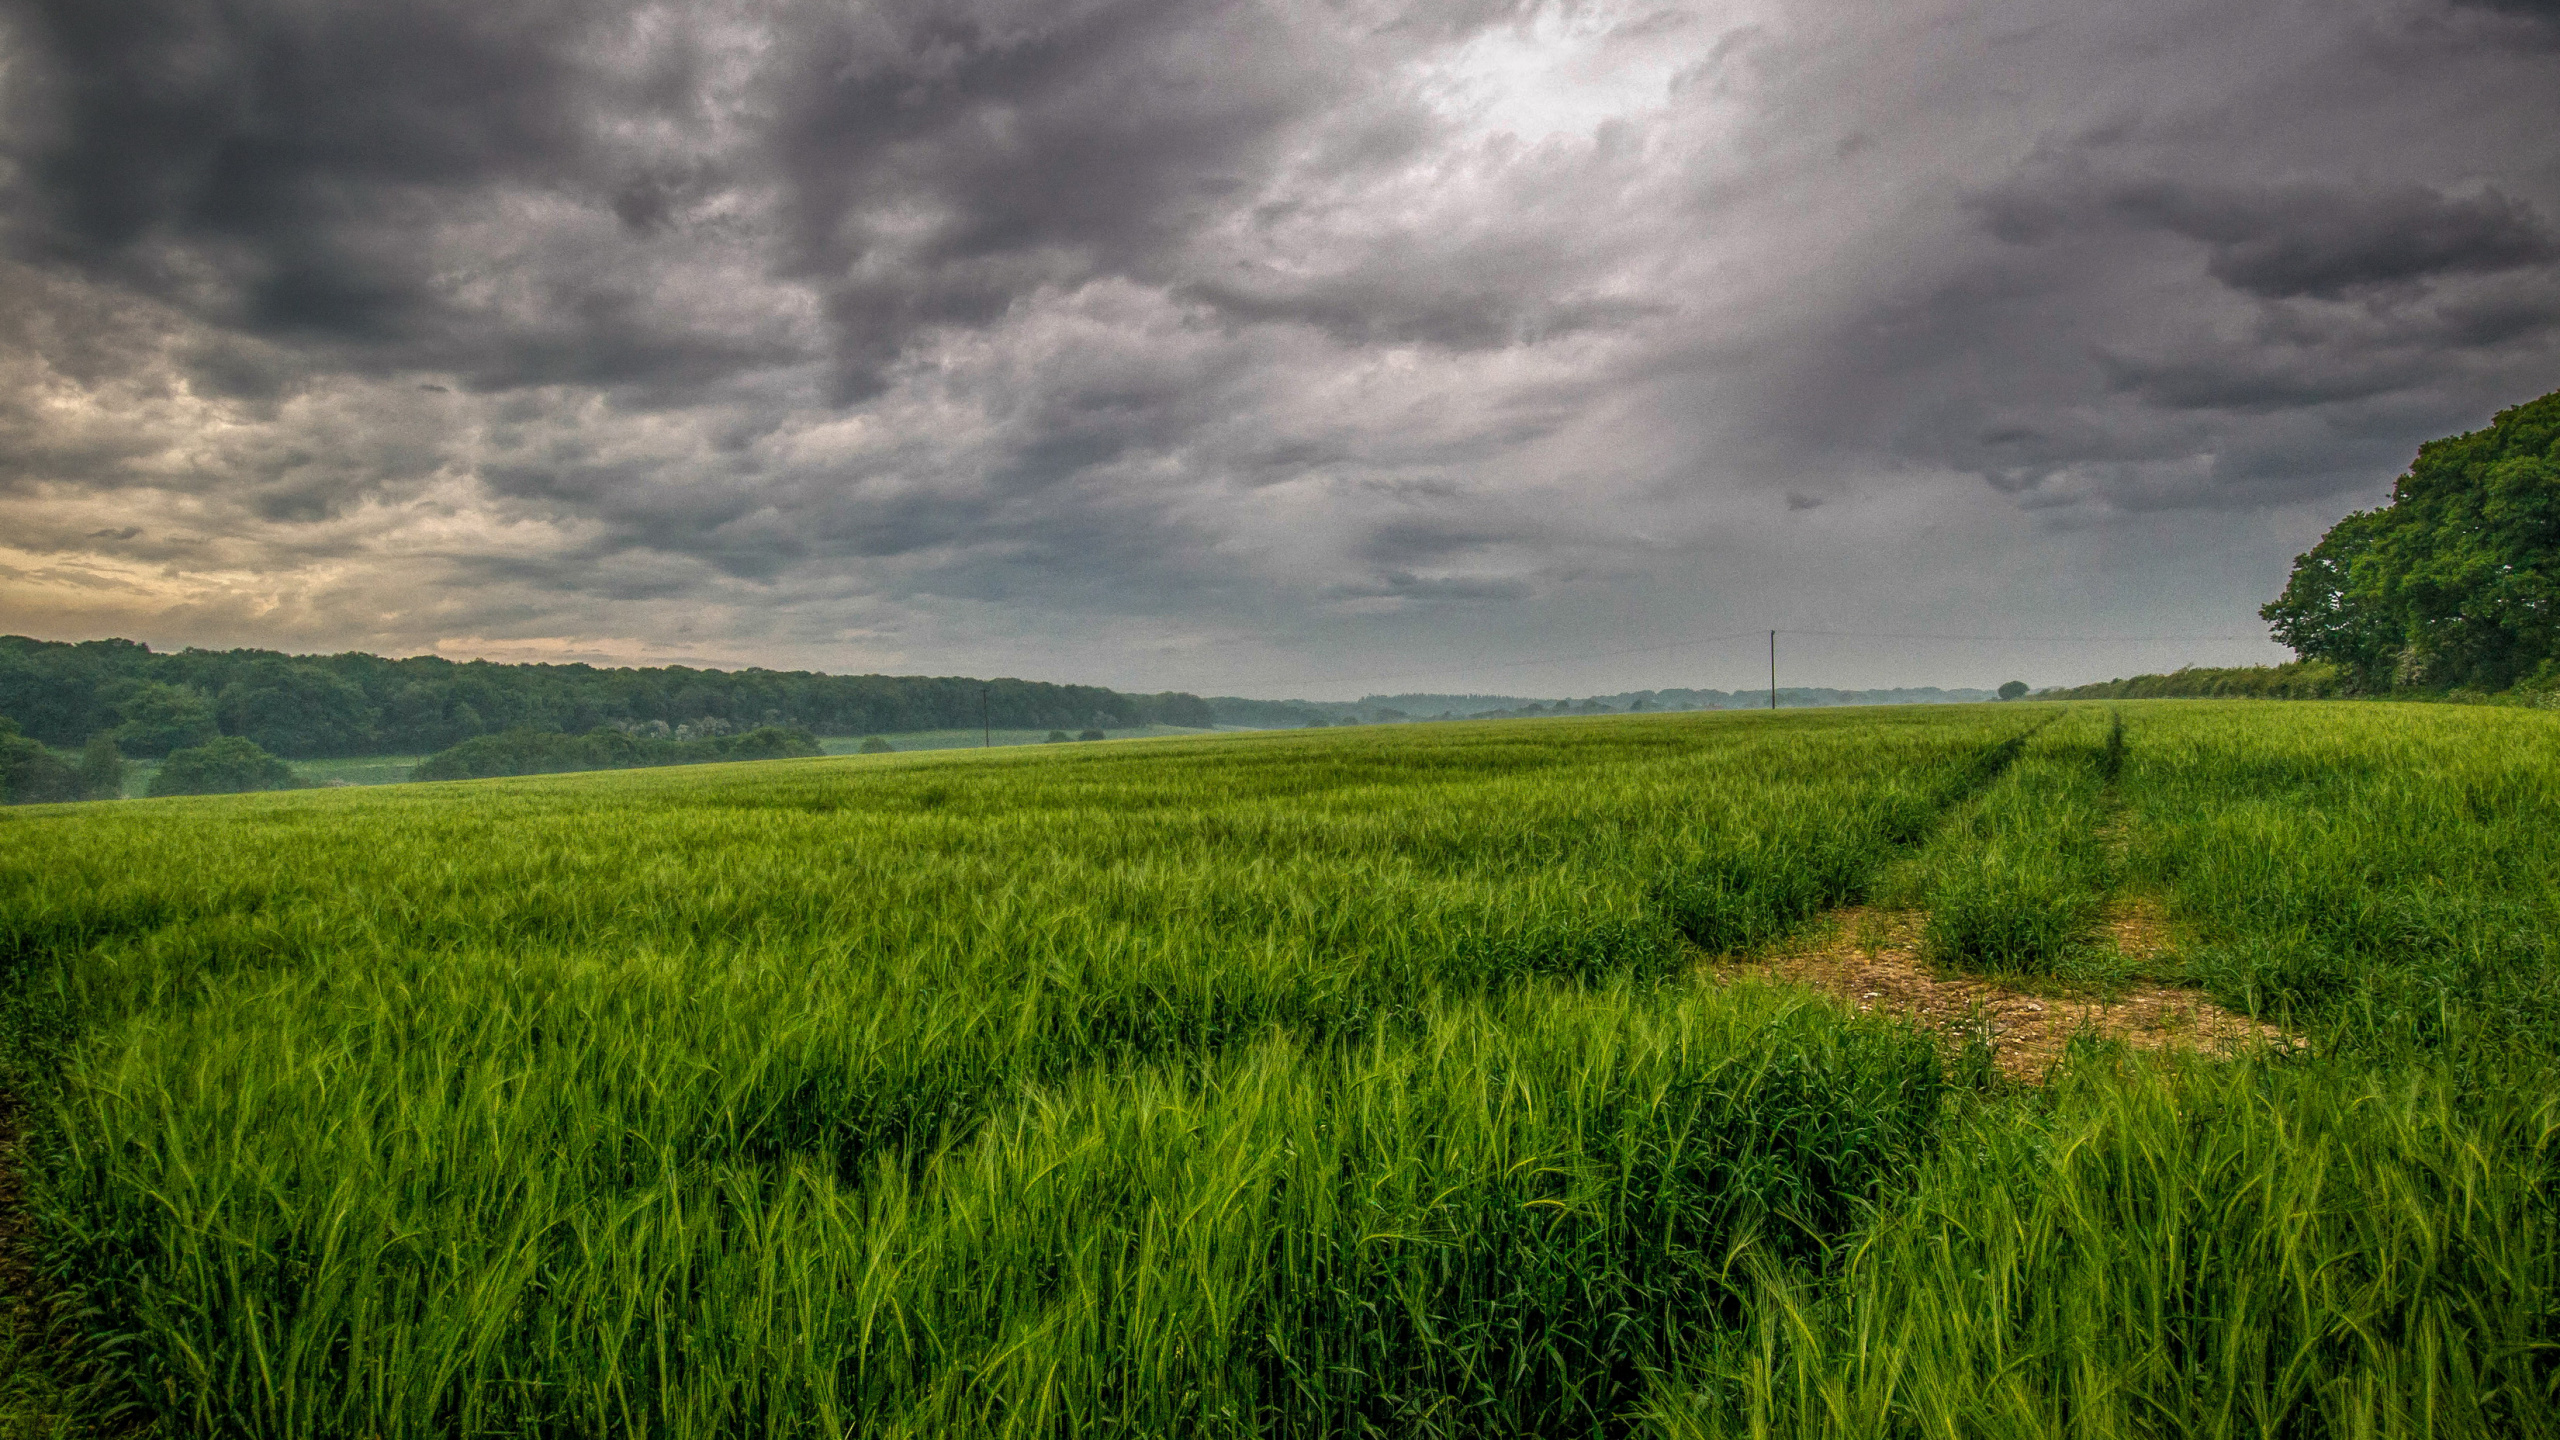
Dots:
(2295, 240)
(941, 162)
(776, 318)
(291, 131)
(2146, 318)
(353, 177)
(2547, 11)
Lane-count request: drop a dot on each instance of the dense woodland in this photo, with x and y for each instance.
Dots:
(307, 706)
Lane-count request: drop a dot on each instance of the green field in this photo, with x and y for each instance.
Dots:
(355, 770)
(1327, 1083)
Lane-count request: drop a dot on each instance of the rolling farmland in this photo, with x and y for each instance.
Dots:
(1403, 1080)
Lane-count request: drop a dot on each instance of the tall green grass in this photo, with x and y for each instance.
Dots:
(360, 1094)
(2014, 885)
(2249, 1250)
(2361, 1239)
(1310, 1084)
(2382, 876)
(1509, 1219)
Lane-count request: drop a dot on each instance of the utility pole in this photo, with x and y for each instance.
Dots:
(987, 726)
(1773, 669)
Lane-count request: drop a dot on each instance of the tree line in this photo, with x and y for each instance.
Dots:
(311, 706)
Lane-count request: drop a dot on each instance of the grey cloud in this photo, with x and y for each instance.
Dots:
(2252, 380)
(2547, 11)
(2072, 360)
(1406, 540)
(1417, 304)
(2323, 241)
(335, 177)
(264, 124)
(2291, 240)
(1027, 323)
(1405, 585)
(943, 162)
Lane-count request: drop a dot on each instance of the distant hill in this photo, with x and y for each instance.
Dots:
(1375, 709)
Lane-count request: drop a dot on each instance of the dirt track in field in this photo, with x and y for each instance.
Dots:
(1871, 959)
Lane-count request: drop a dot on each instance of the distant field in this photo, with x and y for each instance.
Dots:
(973, 739)
(1368, 1081)
(359, 770)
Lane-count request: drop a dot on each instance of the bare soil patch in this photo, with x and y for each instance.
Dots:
(1870, 959)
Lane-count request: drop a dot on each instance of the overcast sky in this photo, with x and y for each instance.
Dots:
(1300, 348)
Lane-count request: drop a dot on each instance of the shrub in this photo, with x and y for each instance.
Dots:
(1090, 735)
(765, 742)
(1056, 737)
(874, 745)
(231, 765)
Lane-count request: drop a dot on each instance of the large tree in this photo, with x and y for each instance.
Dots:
(2325, 615)
(2457, 581)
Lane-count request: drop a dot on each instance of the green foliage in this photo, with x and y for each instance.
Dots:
(32, 775)
(1089, 735)
(62, 694)
(874, 745)
(2013, 690)
(157, 719)
(1055, 737)
(227, 766)
(297, 710)
(541, 752)
(2299, 680)
(102, 768)
(2456, 584)
(2323, 616)
(336, 705)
